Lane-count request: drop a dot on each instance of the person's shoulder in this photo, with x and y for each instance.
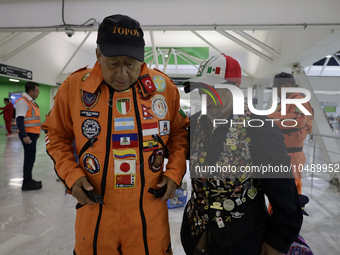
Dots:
(262, 126)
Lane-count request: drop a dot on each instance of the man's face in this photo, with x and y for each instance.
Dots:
(216, 111)
(283, 85)
(34, 93)
(6, 102)
(119, 72)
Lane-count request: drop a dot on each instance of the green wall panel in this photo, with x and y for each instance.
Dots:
(43, 100)
(200, 52)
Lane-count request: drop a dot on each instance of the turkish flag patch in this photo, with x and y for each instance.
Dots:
(147, 84)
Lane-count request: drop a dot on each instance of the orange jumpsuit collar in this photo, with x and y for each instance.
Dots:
(94, 80)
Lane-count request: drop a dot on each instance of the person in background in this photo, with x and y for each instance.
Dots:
(8, 116)
(226, 214)
(294, 135)
(125, 119)
(28, 122)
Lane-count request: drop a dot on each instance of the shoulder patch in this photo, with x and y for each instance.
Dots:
(162, 73)
(181, 112)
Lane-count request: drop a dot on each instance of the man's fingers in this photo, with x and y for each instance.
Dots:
(78, 192)
(86, 184)
(80, 195)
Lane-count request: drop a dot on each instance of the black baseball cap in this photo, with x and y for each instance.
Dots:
(120, 35)
(283, 78)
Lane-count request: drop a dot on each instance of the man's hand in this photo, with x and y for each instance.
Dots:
(170, 191)
(266, 249)
(27, 140)
(79, 194)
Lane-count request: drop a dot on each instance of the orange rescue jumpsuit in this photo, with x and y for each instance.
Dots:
(120, 140)
(294, 136)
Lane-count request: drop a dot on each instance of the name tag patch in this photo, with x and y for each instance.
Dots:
(89, 114)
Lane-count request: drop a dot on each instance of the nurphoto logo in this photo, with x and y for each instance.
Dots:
(238, 105)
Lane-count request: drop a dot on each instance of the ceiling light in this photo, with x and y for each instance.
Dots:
(166, 55)
(328, 56)
(14, 80)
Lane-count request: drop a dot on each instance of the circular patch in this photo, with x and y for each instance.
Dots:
(159, 106)
(91, 163)
(228, 204)
(156, 160)
(90, 128)
(159, 82)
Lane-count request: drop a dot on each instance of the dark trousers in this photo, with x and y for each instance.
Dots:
(29, 155)
(250, 245)
(8, 126)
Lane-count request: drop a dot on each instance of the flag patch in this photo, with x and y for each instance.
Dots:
(123, 105)
(127, 123)
(150, 128)
(150, 145)
(125, 181)
(125, 166)
(124, 154)
(124, 141)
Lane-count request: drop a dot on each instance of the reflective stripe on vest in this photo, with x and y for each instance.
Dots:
(33, 121)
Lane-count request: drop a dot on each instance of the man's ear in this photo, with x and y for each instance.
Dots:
(98, 56)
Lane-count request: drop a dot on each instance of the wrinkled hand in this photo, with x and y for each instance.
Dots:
(170, 191)
(27, 140)
(266, 249)
(79, 194)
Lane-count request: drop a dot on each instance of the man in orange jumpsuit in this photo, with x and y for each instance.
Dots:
(294, 136)
(124, 118)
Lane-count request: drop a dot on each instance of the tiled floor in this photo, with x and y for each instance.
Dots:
(41, 222)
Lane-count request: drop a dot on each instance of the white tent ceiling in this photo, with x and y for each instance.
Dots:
(265, 36)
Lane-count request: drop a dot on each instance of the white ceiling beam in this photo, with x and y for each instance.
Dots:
(295, 26)
(206, 41)
(336, 59)
(161, 52)
(191, 57)
(213, 46)
(258, 43)
(24, 46)
(167, 60)
(154, 49)
(175, 57)
(75, 53)
(244, 45)
(182, 57)
(324, 65)
(8, 38)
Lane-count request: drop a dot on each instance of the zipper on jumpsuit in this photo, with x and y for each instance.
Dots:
(106, 163)
(141, 164)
